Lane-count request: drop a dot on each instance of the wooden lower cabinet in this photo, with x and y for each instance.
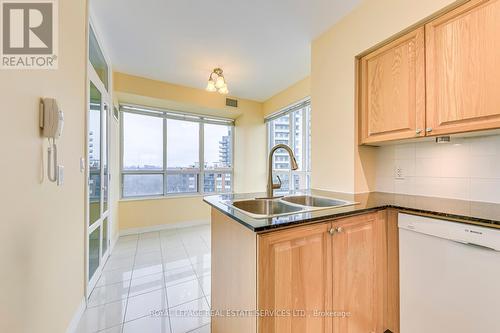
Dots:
(294, 275)
(391, 318)
(307, 275)
(338, 267)
(359, 273)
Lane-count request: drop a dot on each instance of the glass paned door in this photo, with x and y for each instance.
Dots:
(105, 241)
(98, 179)
(94, 154)
(104, 159)
(94, 251)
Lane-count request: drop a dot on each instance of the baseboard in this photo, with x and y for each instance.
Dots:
(186, 224)
(73, 325)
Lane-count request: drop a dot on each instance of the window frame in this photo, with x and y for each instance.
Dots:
(305, 105)
(165, 114)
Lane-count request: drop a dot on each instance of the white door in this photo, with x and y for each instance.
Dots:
(98, 180)
(98, 152)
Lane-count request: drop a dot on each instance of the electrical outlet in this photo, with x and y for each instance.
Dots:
(399, 172)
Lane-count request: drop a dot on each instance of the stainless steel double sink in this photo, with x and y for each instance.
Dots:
(266, 208)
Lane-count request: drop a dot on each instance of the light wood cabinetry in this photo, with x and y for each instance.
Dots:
(360, 273)
(337, 267)
(391, 307)
(308, 275)
(463, 69)
(449, 85)
(392, 90)
(295, 275)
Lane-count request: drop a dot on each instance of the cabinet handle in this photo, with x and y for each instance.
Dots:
(418, 131)
(428, 129)
(334, 231)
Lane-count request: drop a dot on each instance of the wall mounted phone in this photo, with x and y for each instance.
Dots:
(51, 125)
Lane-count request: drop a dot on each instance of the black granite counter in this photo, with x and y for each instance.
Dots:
(471, 212)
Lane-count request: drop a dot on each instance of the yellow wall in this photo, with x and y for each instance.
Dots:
(290, 95)
(135, 89)
(337, 163)
(152, 212)
(42, 228)
(249, 146)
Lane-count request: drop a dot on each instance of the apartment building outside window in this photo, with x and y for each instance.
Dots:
(168, 153)
(292, 126)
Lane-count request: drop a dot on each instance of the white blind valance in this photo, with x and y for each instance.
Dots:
(179, 115)
(289, 109)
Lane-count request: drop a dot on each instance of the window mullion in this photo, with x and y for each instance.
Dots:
(201, 157)
(121, 156)
(232, 160)
(165, 191)
(305, 151)
(291, 138)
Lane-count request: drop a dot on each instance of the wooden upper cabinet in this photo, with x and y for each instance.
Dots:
(463, 69)
(294, 273)
(360, 273)
(391, 90)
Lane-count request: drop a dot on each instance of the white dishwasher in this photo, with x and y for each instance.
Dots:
(449, 276)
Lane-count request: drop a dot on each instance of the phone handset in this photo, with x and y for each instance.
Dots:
(51, 124)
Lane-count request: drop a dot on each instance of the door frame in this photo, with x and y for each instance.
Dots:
(106, 110)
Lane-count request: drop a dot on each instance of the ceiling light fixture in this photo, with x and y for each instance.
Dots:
(217, 82)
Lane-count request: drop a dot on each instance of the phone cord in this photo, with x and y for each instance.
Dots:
(52, 160)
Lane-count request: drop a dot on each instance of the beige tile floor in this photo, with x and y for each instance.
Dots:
(166, 273)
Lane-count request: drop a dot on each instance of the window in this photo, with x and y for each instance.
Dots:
(169, 153)
(97, 58)
(292, 127)
(143, 142)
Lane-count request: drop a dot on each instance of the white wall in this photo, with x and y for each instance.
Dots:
(467, 168)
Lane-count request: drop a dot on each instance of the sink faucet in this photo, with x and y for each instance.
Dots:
(270, 185)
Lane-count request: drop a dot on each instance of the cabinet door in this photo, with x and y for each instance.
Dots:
(463, 72)
(294, 275)
(359, 273)
(392, 90)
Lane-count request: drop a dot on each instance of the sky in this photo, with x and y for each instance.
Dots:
(143, 140)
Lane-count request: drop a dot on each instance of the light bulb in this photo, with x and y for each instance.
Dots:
(211, 86)
(219, 82)
(224, 90)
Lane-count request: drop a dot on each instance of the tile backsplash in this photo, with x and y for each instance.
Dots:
(465, 168)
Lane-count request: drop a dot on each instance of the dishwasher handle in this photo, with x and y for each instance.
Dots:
(478, 246)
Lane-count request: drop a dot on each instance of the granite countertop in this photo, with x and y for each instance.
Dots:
(472, 212)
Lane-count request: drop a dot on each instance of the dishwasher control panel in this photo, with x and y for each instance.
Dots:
(481, 237)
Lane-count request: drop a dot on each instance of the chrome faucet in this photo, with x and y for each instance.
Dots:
(270, 185)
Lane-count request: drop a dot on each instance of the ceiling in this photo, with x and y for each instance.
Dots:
(263, 46)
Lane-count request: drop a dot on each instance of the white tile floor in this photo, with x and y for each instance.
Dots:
(166, 273)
